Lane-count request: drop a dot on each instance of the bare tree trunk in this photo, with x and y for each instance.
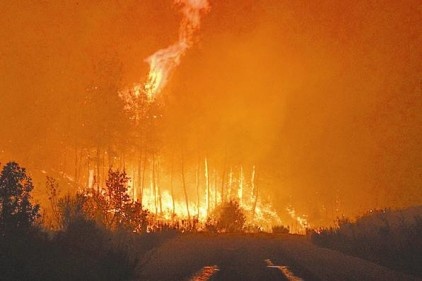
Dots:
(184, 186)
(229, 192)
(254, 192)
(133, 185)
(215, 188)
(76, 164)
(222, 184)
(197, 186)
(81, 177)
(124, 161)
(97, 180)
(240, 191)
(207, 185)
(139, 176)
(223, 177)
(153, 184)
(144, 163)
(62, 164)
(157, 184)
(172, 187)
(103, 166)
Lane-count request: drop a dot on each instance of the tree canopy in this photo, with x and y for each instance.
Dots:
(16, 209)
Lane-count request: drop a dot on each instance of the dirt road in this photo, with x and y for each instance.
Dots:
(200, 257)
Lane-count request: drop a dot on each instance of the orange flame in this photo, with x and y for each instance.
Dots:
(303, 222)
(163, 62)
(258, 209)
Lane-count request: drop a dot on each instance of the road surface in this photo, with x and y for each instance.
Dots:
(201, 257)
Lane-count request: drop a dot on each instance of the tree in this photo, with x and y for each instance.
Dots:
(117, 194)
(136, 218)
(16, 209)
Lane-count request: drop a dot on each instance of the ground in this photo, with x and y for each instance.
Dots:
(255, 257)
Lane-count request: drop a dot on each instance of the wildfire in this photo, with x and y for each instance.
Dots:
(302, 221)
(237, 185)
(200, 207)
(163, 62)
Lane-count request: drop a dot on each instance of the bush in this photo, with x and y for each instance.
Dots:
(280, 229)
(386, 237)
(230, 217)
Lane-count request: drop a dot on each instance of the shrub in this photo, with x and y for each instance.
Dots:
(281, 229)
(230, 217)
(386, 237)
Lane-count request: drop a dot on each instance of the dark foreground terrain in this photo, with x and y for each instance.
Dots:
(255, 257)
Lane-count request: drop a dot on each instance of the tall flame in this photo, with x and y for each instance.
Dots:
(163, 62)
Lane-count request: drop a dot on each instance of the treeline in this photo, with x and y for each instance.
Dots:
(99, 234)
(390, 238)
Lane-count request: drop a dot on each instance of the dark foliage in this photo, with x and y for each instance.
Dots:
(70, 210)
(82, 248)
(229, 217)
(82, 252)
(281, 229)
(384, 237)
(17, 213)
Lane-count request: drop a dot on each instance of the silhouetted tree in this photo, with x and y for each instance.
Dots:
(16, 209)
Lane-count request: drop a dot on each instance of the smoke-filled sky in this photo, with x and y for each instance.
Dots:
(324, 97)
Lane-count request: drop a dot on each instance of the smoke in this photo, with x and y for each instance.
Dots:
(164, 61)
(328, 112)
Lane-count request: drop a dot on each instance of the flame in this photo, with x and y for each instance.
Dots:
(303, 222)
(172, 209)
(163, 62)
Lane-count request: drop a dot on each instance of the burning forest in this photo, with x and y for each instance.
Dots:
(130, 129)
